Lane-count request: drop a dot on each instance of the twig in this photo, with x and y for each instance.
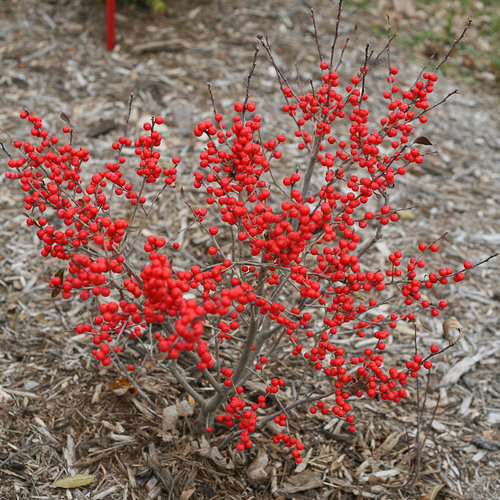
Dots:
(427, 430)
(127, 120)
(482, 262)
(4, 150)
(437, 104)
(418, 441)
(210, 93)
(313, 157)
(387, 46)
(181, 379)
(452, 48)
(311, 13)
(262, 423)
(378, 236)
(210, 378)
(252, 69)
(343, 50)
(335, 37)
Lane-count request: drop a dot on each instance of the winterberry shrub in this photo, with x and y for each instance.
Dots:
(289, 271)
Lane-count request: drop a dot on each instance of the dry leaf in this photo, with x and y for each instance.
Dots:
(186, 495)
(172, 413)
(449, 324)
(65, 118)
(304, 481)
(213, 453)
(256, 471)
(406, 215)
(170, 417)
(4, 396)
(74, 481)
(122, 386)
(184, 408)
(358, 295)
(58, 289)
(422, 140)
(435, 491)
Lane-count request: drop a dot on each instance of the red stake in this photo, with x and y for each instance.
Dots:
(110, 24)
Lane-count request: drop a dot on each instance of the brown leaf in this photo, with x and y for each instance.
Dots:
(213, 453)
(450, 324)
(256, 471)
(187, 494)
(65, 118)
(422, 140)
(434, 492)
(122, 386)
(58, 289)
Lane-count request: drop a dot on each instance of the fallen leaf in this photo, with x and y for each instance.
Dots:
(122, 386)
(213, 453)
(304, 481)
(186, 495)
(257, 469)
(4, 396)
(169, 418)
(74, 481)
(434, 492)
(172, 413)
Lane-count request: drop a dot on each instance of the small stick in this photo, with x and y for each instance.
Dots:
(209, 86)
(127, 121)
(335, 37)
(187, 386)
(455, 43)
(311, 13)
(343, 50)
(252, 69)
(388, 47)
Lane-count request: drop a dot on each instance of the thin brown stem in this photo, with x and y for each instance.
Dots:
(187, 386)
(455, 43)
(311, 13)
(249, 79)
(127, 121)
(336, 36)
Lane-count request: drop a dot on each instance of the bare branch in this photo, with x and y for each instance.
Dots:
(335, 37)
(455, 43)
(210, 93)
(316, 35)
(343, 50)
(252, 69)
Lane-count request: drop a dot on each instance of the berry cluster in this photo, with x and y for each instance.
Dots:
(283, 259)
